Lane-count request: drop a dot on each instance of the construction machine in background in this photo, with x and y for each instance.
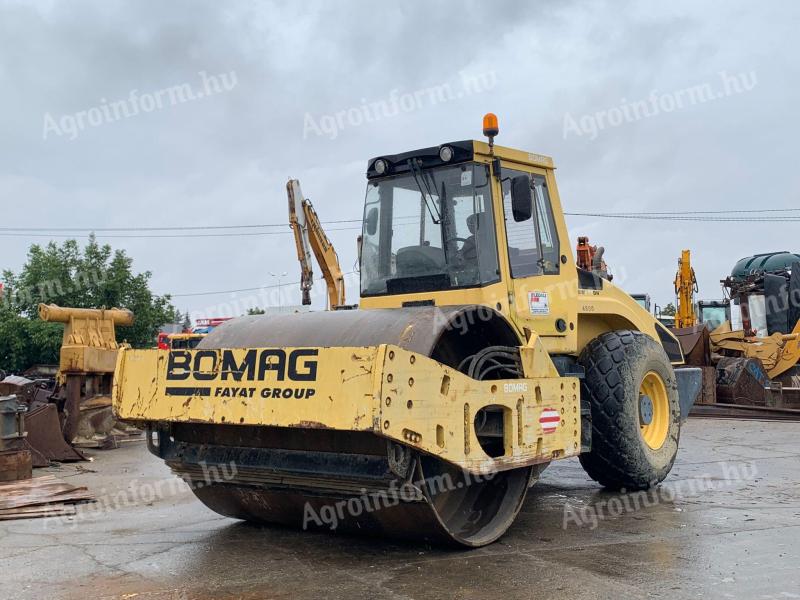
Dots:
(643, 300)
(692, 335)
(685, 289)
(760, 346)
(590, 258)
(747, 345)
(73, 411)
(713, 313)
(309, 236)
(182, 340)
(86, 369)
(479, 354)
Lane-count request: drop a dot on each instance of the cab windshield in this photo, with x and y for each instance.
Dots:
(429, 230)
(714, 316)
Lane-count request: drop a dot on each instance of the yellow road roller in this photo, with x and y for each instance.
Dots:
(478, 354)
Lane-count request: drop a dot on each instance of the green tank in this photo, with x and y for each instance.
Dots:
(760, 263)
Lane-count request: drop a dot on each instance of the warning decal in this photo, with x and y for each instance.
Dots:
(549, 420)
(538, 303)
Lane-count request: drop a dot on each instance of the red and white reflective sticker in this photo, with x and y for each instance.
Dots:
(549, 420)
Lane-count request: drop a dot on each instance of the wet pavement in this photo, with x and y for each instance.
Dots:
(726, 524)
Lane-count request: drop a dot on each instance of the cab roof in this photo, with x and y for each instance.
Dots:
(463, 151)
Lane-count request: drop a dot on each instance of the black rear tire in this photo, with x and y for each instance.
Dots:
(616, 364)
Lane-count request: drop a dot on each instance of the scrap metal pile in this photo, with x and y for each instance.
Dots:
(53, 413)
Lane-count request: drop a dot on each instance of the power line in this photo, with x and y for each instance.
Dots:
(252, 289)
(698, 215)
(701, 212)
(687, 215)
(165, 235)
(166, 228)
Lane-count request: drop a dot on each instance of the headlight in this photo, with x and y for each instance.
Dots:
(445, 153)
(381, 166)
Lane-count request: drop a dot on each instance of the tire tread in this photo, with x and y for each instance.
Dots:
(613, 461)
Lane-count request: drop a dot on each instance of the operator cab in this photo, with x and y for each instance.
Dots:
(713, 313)
(429, 223)
(428, 227)
(468, 223)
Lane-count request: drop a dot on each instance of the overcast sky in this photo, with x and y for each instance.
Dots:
(566, 79)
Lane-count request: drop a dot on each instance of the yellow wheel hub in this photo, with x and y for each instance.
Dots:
(654, 414)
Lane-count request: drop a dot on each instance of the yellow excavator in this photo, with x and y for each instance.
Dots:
(685, 289)
(309, 236)
(478, 355)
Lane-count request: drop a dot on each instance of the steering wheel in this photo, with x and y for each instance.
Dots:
(459, 258)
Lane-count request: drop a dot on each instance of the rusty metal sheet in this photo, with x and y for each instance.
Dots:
(15, 465)
(45, 436)
(40, 497)
(24, 389)
(41, 372)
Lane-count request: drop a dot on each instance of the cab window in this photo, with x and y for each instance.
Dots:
(523, 248)
(429, 231)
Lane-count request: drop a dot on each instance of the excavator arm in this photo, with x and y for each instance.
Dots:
(685, 288)
(309, 236)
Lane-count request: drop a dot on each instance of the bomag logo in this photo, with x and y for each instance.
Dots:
(216, 372)
(209, 365)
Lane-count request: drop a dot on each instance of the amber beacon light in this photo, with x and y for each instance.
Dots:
(490, 127)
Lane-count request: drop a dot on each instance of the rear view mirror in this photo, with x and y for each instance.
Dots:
(521, 198)
(372, 221)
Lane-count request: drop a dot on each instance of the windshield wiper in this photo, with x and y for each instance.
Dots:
(418, 174)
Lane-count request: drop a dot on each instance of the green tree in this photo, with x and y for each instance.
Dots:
(93, 277)
(669, 310)
(25, 342)
(256, 311)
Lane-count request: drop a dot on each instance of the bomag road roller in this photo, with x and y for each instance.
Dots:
(479, 354)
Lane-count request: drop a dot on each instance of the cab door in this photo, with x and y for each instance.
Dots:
(543, 281)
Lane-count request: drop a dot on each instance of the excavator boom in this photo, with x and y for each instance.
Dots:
(685, 288)
(309, 236)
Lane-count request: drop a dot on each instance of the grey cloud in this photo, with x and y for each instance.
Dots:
(224, 159)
